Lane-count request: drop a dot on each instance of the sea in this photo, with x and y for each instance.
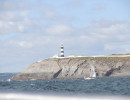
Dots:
(107, 88)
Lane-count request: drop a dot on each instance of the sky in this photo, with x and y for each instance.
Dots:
(32, 30)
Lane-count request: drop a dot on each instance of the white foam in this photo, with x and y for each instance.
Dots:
(8, 80)
(16, 96)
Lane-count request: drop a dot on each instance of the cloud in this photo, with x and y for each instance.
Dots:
(113, 35)
(25, 16)
(51, 15)
(6, 5)
(117, 48)
(99, 7)
(7, 27)
(25, 44)
(107, 29)
(59, 30)
(76, 3)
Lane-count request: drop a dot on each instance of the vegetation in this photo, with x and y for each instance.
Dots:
(122, 54)
(105, 58)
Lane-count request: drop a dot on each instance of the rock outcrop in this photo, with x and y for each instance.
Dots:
(77, 67)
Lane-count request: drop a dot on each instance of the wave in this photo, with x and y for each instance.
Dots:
(24, 96)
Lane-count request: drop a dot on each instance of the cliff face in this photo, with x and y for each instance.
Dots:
(76, 68)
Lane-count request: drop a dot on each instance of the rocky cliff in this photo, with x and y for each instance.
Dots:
(77, 67)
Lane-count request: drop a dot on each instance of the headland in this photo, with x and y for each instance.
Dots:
(77, 67)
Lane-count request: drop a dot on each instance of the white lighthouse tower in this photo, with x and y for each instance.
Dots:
(62, 50)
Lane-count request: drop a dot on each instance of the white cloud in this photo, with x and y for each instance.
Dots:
(51, 15)
(24, 16)
(117, 48)
(8, 27)
(110, 47)
(8, 15)
(99, 6)
(24, 13)
(76, 3)
(25, 44)
(21, 28)
(59, 30)
(110, 30)
(113, 35)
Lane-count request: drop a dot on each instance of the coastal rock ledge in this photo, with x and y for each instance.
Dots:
(78, 67)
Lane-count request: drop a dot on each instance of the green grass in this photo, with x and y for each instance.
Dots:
(122, 54)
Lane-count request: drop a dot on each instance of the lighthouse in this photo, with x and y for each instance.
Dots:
(62, 50)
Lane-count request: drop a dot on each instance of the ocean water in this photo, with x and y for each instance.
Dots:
(110, 88)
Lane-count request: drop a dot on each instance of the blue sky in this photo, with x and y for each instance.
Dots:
(32, 30)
